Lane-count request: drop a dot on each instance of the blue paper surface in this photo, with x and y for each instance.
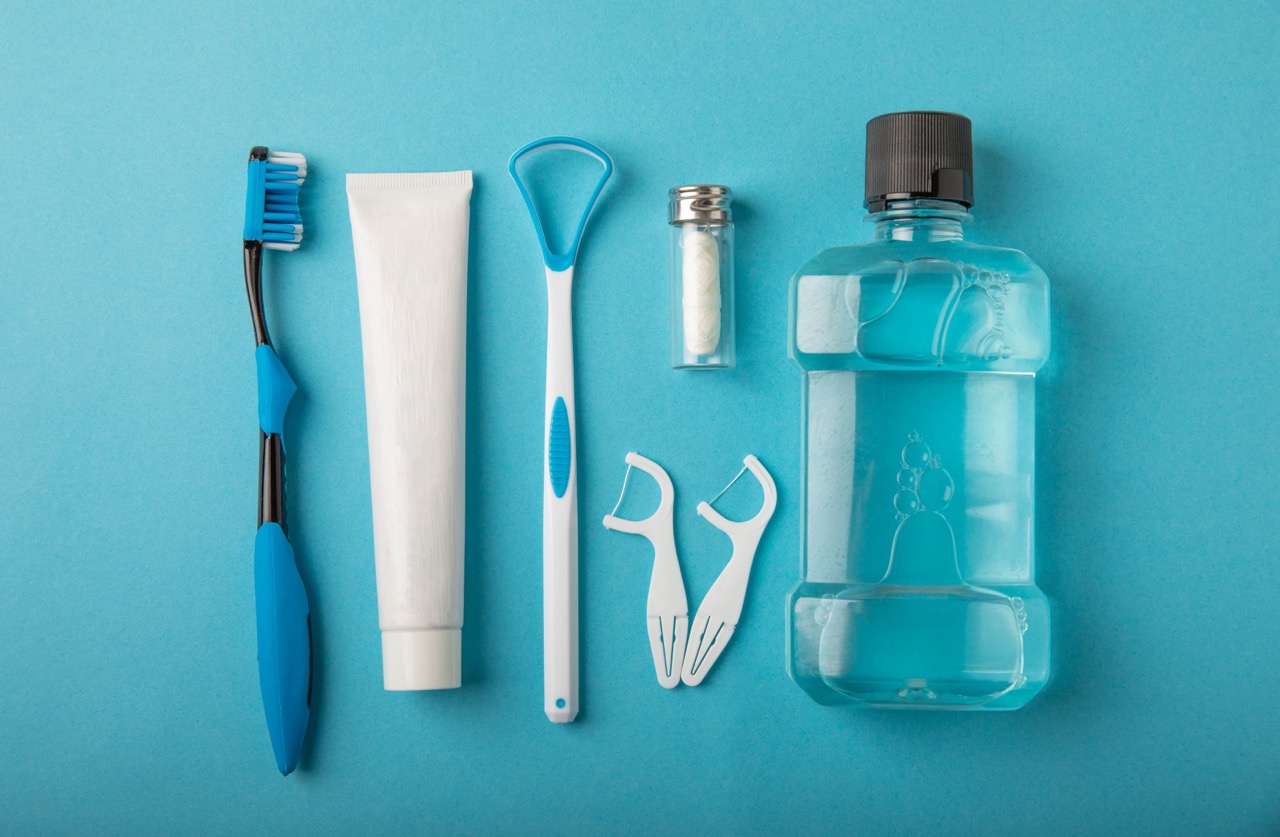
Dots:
(1130, 149)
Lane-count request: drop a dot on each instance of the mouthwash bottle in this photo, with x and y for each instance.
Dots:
(920, 351)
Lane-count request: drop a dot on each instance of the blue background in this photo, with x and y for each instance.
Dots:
(1129, 148)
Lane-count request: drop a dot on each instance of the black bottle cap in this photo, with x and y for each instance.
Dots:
(919, 154)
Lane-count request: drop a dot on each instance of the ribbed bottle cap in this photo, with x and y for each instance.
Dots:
(919, 154)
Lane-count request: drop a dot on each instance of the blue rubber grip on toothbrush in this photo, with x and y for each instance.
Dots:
(275, 390)
(283, 613)
(284, 644)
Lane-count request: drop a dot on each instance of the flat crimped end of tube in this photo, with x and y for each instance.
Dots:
(422, 660)
(409, 180)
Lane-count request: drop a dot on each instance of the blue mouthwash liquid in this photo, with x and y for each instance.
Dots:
(919, 352)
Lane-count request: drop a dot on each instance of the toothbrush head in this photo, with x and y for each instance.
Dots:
(271, 213)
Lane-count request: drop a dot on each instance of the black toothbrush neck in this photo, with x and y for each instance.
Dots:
(253, 286)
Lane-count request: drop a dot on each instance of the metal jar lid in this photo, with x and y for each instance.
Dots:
(703, 203)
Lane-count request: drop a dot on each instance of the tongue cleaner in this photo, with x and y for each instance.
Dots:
(560, 448)
(668, 609)
(719, 612)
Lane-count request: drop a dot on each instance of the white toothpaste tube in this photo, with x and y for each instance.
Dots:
(410, 235)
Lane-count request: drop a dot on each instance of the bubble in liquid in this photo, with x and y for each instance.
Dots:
(906, 502)
(907, 478)
(915, 455)
(935, 489)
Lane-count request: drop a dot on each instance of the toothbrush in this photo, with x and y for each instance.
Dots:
(560, 446)
(272, 221)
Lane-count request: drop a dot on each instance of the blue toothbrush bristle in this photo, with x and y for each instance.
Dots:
(272, 215)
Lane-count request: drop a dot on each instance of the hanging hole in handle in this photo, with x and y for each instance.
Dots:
(560, 179)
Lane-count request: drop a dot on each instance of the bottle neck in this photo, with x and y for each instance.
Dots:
(920, 220)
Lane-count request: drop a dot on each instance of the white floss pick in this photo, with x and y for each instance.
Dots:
(701, 294)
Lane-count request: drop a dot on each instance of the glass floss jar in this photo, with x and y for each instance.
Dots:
(701, 277)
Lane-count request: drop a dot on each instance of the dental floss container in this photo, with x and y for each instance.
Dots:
(701, 224)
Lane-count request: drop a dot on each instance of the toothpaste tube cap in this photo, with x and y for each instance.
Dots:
(422, 660)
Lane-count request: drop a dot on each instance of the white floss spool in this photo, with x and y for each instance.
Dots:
(701, 296)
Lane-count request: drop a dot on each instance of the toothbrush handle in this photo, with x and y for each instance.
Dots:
(560, 510)
(284, 643)
(283, 613)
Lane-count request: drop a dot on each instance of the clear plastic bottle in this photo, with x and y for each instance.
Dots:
(919, 352)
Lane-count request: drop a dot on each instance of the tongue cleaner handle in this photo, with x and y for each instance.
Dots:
(560, 511)
(560, 465)
(720, 610)
(668, 608)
